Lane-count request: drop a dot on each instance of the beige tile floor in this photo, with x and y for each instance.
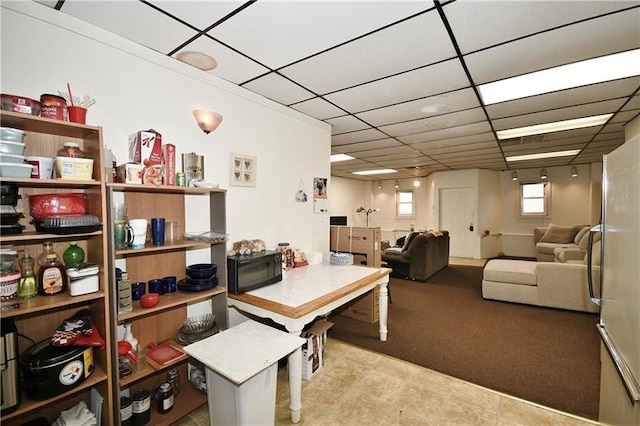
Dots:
(361, 387)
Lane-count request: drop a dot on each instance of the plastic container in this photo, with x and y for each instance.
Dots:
(42, 167)
(15, 170)
(74, 168)
(7, 261)
(11, 147)
(11, 134)
(20, 104)
(9, 286)
(71, 150)
(12, 158)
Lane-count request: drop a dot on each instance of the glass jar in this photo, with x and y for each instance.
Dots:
(73, 255)
(173, 377)
(71, 150)
(165, 398)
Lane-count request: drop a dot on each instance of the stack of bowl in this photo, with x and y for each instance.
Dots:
(10, 218)
(12, 159)
(200, 277)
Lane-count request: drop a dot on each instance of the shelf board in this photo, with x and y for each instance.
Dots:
(144, 369)
(170, 300)
(188, 400)
(27, 405)
(39, 236)
(52, 183)
(32, 123)
(168, 246)
(128, 187)
(44, 303)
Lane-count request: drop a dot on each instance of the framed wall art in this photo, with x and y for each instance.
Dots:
(243, 170)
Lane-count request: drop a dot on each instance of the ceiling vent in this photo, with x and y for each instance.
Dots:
(523, 140)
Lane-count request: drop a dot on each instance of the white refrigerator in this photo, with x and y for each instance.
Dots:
(619, 299)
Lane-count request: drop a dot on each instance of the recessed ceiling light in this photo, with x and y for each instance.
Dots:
(542, 155)
(375, 172)
(558, 126)
(591, 71)
(340, 157)
(199, 60)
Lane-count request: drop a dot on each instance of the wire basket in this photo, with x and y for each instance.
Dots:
(341, 259)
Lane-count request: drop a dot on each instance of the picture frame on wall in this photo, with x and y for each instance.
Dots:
(243, 170)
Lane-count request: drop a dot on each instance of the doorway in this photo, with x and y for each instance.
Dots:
(456, 215)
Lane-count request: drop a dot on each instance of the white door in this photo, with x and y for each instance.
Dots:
(456, 215)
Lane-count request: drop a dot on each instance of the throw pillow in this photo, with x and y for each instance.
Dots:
(408, 240)
(584, 241)
(560, 234)
(581, 233)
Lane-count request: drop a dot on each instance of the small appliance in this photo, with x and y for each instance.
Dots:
(9, 366)
(252, 271)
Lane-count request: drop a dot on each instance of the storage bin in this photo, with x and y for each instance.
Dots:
(74, 168)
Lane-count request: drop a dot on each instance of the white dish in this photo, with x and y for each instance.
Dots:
(11, 147)
(12, 158)
(11, 134)
(15, 170)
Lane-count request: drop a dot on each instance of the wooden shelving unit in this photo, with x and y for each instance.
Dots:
(38, 318)
(163, 322)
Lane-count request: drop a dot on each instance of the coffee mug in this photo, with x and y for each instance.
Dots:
(138, 289)
(170, 284)
(123, 235)
(156, 285)
(139, 227)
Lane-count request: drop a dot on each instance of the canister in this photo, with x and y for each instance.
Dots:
(165, 398)
(141, 408)
(126, 411)
(53, 106)
(192, 166)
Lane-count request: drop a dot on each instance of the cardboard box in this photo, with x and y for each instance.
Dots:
(129, 173)
(364, 308)
(313, 349)
(169, 164)
(145, 147)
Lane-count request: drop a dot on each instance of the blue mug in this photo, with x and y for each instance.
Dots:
(170, 284)
(156, 285)
(138, 289)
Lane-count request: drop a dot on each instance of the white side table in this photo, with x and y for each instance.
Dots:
(241, 367)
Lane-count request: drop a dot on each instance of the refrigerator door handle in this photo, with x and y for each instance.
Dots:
(630, 383)
(592, 232)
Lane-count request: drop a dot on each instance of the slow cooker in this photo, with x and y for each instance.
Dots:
(49, 370)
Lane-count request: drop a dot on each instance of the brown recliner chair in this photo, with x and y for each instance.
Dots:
(423, 255)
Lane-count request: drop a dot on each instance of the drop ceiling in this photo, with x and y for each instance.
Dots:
(397, 80)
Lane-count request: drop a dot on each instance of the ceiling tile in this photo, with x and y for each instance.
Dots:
(420, 108)
(347, 123)
(434, 79)
(437, 122)
(278, 88)
(132, 20)
(453, 132)
(402, 47)
(562, 46)
(318, 108)
(199, 14)
(305, 28)
(358, 136)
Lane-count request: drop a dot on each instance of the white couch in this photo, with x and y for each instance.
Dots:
(553, 237)
(551, 284)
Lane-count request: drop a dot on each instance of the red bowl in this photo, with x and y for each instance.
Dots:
(42, 206)
(149, 300)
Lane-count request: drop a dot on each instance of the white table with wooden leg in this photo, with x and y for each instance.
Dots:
(306, 293)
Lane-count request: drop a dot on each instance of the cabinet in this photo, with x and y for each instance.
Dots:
(37, 318)
(163, 322)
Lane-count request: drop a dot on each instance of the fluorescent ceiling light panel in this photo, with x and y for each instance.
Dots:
(375, 172)
(591, 71)
(558, 126)
(340, 157)
(542, 155)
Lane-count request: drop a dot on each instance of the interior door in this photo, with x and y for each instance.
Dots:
(456, 216)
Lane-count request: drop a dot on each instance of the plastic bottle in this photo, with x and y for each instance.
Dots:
(52, 278)
(129, 337)
(28, 287)
(73, 255)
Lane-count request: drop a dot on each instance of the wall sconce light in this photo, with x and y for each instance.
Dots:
(379, 184)
(543, 173)
(397, 184)
(208, 121)
(574, 171)
(514, 176)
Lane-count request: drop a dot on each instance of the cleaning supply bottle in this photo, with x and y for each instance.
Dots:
(27, 287)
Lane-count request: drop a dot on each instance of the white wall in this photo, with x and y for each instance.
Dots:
(573, 201)
(137, 88)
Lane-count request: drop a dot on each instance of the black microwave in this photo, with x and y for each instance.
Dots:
(251, 271)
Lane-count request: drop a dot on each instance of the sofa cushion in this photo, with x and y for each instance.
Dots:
(584, 241)
(581, 233)
(510, 271)
(409, 239)
(560, 234)
(549, 248)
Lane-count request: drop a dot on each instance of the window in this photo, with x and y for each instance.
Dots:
(405, 205)
(534, 199)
